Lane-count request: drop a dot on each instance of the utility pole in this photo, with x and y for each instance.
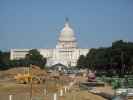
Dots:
(31, 86)
(30, 76)
(122, 63)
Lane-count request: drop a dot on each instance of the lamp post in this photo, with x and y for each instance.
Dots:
(30, 75)
(122, 64)
(31, 86)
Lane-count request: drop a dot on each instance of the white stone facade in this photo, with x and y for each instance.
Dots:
(66, 51)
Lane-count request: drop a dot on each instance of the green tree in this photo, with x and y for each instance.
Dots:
(81, 62)
(116, 59)
(34, 57)
(4, 60)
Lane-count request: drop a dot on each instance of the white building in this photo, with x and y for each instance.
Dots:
(66, 51)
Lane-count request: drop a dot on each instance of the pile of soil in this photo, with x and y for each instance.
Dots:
(10, 73)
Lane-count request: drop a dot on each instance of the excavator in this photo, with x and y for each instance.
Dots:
(26, 78)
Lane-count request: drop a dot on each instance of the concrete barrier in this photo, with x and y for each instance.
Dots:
(10, 97)
(61, 92)
(55, 96)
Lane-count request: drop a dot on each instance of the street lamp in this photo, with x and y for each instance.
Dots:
(31, 85)
(30, 75)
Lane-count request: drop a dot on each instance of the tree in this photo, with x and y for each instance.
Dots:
(116, 59)
(4, 60)
(81, 62)
(34, 57)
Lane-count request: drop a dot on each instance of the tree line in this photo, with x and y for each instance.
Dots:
(33, 57)
(114, 60)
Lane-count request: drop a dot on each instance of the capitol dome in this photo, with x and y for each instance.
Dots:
(67, 33)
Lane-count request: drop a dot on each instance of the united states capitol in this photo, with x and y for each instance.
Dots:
(66, 51)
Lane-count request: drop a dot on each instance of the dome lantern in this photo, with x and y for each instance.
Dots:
(67, 33)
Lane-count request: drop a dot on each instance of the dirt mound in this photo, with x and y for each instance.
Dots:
(34, 70)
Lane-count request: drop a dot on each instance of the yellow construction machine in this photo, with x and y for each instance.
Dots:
(27, 78)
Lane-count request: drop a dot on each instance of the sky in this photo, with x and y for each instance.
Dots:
(37, 23)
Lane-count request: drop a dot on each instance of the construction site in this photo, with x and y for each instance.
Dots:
(36, 84)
